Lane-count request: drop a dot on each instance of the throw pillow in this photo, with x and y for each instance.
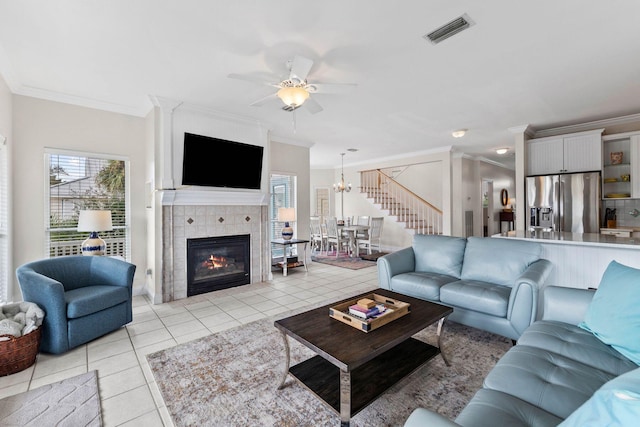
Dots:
(614, 313)
(616, 403)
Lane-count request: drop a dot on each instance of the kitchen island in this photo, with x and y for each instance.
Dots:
(580, 259)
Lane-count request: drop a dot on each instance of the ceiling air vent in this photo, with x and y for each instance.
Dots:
(447, 30)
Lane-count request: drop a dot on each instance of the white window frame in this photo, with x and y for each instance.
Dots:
(127, 196)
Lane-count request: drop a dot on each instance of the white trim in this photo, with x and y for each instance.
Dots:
(213, 197)
(62, 152)
(631, 118)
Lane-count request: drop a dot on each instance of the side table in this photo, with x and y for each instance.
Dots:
(285, 265)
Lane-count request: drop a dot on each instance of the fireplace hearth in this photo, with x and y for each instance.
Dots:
(215, 263)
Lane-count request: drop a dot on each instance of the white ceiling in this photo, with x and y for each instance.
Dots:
(544, 63)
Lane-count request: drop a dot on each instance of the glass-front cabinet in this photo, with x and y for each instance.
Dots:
(620, 156)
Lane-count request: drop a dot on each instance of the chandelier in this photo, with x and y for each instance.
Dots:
(341, 187)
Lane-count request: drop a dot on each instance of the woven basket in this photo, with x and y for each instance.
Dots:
(17, 354)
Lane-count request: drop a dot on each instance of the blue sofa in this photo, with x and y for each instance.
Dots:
(492, 284)
(558, 374)
(83, 297)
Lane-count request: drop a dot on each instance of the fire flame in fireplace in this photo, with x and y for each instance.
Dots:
(215, 262)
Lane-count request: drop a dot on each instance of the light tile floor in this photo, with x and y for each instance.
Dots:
(128, 392)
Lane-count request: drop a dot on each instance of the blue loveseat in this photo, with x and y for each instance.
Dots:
(576, 367)
(492, 284)
(83, 297)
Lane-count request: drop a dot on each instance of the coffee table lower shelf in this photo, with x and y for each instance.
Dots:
(367, 381)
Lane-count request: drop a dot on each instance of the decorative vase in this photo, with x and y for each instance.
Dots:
(287, 231)
(94, 245)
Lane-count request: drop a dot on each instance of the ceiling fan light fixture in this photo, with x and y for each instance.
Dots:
(293, 96)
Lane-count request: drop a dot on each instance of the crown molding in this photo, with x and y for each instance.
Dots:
(34, 92)
(560, 130)
(525, 129)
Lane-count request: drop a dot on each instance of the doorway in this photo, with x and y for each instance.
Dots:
(487, 207)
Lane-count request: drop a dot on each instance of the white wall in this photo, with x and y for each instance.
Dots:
(394, 236)
(38, 124)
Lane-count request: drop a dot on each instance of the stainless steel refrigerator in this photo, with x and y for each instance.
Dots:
(565, 202)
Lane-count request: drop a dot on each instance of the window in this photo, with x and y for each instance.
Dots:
(4, 221)
(283, 195)
(77, 181)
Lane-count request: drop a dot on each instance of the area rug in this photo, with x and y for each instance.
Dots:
(343, 261)
(73, 402)
(231, 379)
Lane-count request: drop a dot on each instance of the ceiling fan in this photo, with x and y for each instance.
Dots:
(295, 91)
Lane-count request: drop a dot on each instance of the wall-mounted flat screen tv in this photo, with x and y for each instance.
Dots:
(214, 162)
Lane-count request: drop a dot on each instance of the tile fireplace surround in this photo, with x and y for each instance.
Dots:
(195, 214)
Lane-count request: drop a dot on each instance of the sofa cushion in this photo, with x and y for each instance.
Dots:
(420, 285)
(613, 314)
(617, 403)
(439, 254)
(496, 260)
(575, 343)
(477, 296)
(91, 299)
(554, 383)
(490, 408)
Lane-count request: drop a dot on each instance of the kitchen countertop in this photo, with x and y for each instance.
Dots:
(564, 238)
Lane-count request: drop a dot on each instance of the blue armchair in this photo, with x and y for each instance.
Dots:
(83, 297)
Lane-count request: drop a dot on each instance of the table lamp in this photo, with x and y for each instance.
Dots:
(94, 221)
(286, 215)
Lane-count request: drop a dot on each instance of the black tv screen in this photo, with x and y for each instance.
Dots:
(214, 162)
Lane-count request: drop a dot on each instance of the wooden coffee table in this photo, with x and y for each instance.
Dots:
(352, 368)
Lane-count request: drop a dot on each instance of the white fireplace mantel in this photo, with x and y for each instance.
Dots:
(214, 198)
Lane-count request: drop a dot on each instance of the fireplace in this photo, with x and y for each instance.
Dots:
(215, 263)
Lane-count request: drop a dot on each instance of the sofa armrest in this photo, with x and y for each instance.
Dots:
(402, 261)
(568, 305)
(421, 417)
(523, 301)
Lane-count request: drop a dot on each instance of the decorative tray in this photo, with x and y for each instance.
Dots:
(394, 310)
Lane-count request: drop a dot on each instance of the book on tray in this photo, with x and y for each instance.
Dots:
(370, 313)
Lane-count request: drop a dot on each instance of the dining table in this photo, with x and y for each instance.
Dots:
(352, 232)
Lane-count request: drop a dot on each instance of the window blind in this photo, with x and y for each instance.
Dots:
(76, 182)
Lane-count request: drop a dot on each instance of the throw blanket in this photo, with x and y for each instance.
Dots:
(19, 319)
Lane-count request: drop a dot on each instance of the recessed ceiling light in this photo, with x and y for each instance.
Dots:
(502, 150)
(458, 133)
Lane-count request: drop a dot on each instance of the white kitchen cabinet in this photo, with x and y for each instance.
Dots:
(577, 152)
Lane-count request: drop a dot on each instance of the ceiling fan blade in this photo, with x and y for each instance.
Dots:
(260, 102)
(300, 68)
(331, 87)
(252, 79)
(312, 105)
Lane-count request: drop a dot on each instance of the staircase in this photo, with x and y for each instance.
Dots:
(400, 204)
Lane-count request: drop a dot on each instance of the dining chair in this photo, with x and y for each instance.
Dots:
(317, 239)
(363, 220)
(335, 236)
(375, 232)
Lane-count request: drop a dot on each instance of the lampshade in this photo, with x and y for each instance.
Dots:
(95, 221)
(293, 96)
(286, 214)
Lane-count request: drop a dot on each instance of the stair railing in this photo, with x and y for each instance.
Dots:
(398, 201)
